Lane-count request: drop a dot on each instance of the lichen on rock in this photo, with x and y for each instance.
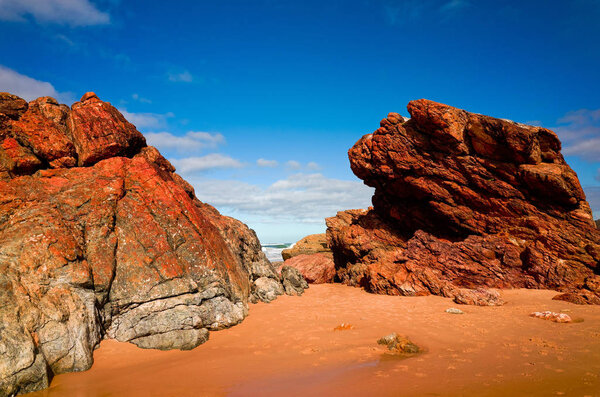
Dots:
(100, 238)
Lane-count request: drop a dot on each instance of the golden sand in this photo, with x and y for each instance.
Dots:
(290, 347)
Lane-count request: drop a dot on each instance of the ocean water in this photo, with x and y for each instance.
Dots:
(273, 251)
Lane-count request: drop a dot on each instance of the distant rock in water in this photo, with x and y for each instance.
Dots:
(100, 238)
(311, 244)
(466, 201)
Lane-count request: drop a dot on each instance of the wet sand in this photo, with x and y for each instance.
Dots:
(289, 347)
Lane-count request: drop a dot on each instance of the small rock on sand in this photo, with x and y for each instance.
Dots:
(399, 344)
(343, 327)
(454, 310)
(552, 316)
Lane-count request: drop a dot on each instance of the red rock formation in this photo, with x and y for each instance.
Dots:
(100, 238)
(465, 201)
(315, 268)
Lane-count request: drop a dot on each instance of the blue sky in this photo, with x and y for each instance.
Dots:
(257, 102)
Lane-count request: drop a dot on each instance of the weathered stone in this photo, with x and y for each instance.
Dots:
(42, 129)
(399, 344)
(267, 289)
(265, 281)
(100, 131)
(118, 247)
(552, 316)
(466, 201)
(293, 282)
(11, 105)
(315, 268)
(478, 297)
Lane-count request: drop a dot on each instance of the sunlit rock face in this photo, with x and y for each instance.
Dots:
(465, 201)
(100, 238)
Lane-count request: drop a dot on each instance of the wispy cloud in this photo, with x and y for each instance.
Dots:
(184, 77)
(313, 166)
(580, 133)
(64, 39)
(293, 164)
(146, 120)
(189, 165)
(191, 141)
(29, 88)
(140, 99)
(65, 12)
(267, 163)
(296, 166)
(303, 198)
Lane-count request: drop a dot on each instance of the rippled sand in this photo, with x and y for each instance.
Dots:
(289, 347)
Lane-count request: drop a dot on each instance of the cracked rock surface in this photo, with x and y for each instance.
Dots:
(100, 238)
(465, 202)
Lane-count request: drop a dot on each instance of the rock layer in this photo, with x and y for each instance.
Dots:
(100, 238)
(465, 201)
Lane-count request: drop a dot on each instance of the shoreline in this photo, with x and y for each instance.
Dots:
(289, 347)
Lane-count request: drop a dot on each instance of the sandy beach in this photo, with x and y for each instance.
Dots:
(290, 347)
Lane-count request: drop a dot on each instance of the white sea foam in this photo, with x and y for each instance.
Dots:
(273, 251)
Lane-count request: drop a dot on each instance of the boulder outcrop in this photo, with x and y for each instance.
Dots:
(100, 238)
(315, 268)
(465, 201)
(311, 244)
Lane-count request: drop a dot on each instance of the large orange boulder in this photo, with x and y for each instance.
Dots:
(315, 268)
(465, 201)
(100, 238)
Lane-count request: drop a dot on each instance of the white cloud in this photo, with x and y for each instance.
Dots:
(138, 98)
(580, 134)
(211, 161)
(313, 166)
(29, 88)
(267, 163)
(146, 120)
(68, 12)
(185, 77)
(303, 198)
(297, 166)
(193, 140)
(293, 164)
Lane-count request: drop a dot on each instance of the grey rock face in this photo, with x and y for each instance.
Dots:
(267, 289)
(293, 282)
(265, 282)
